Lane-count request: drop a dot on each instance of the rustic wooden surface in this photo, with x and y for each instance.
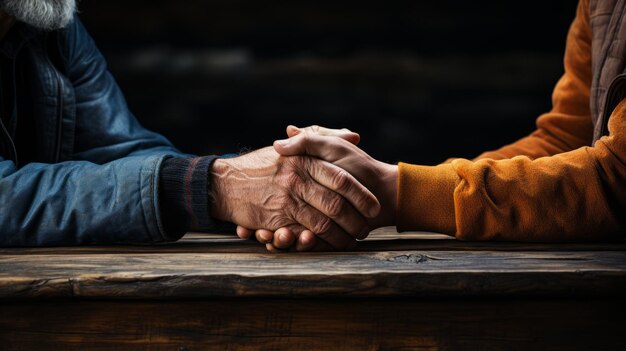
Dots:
(411, 291)
(384, 239)
(218, 266)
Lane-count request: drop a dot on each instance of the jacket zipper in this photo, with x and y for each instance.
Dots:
(615, 94)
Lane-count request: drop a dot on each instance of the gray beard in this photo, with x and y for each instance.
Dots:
(42, 14)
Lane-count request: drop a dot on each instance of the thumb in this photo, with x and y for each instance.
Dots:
(292, 146)
(327, 148)
(344, 133)
(293, 130)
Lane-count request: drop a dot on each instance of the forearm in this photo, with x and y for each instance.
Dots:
(80, 202)
(578, 195)
(556, 133)
(518, 199)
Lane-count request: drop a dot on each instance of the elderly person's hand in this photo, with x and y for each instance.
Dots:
(263, 189)
(336, 147)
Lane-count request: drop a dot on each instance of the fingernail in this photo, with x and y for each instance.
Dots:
(266, 237)
(282, 237)
(283, 142)
(305, 241)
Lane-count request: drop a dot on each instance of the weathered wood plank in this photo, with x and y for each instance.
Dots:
(401, 273)
(354, 324)
(383, 239)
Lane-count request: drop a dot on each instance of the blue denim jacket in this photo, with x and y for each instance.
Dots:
(95, 180)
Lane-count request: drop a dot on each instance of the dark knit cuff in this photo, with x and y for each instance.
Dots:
(184, 194)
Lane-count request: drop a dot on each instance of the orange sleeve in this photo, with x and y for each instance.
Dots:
(568, 125)
(569, 195)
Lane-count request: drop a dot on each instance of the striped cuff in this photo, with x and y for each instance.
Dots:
(184, 195)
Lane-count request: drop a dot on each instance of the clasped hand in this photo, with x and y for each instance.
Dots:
(315, 191)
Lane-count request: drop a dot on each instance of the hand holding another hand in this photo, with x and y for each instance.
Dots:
(263, 189)
(336, 147)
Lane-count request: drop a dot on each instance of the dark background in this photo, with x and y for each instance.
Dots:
(421, 81)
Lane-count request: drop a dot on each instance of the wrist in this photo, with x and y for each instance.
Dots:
(184, 193)
(389, 194)
(392, 191)
(220, 207)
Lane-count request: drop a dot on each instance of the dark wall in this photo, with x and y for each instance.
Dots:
(419, 80)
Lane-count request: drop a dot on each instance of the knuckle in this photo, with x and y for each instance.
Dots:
(296, 229)
(298, 164)
(362, 200)
(277, 221)
(341, 180)
(322, 226)
(306, 138)
(334, 205)
(292, 180)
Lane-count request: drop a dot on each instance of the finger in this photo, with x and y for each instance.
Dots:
(308, 241)
(283, 238)
(343, 133)
(293, 130)
(292, 233)
(344, 184)
(269, 247)
(288, 238)
(323, 147)
(323, 227)
(264, 236)
(244, 233)
(333, 206)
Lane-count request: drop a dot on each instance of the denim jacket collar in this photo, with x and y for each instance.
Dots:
(16, 38)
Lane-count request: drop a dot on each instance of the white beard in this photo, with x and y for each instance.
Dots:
(42, 14)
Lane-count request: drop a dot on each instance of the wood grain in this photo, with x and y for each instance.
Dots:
(408, 291)
(383, 239)
(363, 274)
(249, 324)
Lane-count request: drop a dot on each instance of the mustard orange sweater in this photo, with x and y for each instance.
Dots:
(549, 186)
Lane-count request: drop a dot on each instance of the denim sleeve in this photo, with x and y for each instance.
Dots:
(109, 191)
(80, 202)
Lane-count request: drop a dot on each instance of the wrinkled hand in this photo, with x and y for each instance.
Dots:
(263, 189)
(333, 146)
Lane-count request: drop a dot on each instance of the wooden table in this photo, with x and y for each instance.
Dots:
(411, 291)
